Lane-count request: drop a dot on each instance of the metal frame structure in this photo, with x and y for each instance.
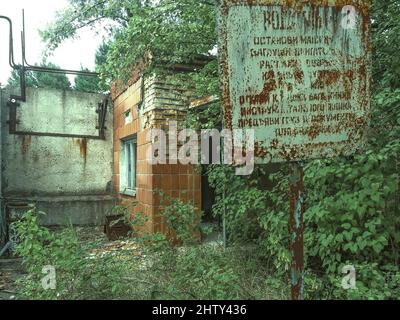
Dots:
(13, 101)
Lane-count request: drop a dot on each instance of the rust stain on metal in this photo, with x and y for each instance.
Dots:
(363, 5)
(203, 101)
(298, 74)
(269, 87)
(260, 150)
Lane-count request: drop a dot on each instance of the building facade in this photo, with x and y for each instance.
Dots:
(148, 103)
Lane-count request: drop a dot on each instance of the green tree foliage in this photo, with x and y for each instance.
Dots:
(101, 54)
(172, 30)
(14, 80)
(50, 80)
(99, 83)
(42, 79)
(101, 60)
(386, 72)
(86, 83)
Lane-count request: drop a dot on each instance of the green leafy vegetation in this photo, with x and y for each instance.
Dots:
(86, 84)
(173, 31)
(41, 79)
(149, 267)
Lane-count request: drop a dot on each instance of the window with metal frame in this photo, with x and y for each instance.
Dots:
(128, 167)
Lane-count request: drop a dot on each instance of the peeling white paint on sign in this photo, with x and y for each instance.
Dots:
(298, 74)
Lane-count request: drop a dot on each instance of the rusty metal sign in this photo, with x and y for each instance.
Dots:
(298, 73)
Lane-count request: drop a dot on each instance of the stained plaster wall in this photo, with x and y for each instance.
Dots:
(70, 179)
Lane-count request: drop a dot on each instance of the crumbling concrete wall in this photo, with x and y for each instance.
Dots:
(68, 178)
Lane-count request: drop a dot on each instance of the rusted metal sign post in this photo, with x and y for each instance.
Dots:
(298, 74)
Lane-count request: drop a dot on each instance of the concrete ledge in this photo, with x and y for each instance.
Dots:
(86, 210)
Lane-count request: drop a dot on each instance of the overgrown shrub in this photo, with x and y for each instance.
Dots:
(238, 201)
(156, 270)
(182, 220)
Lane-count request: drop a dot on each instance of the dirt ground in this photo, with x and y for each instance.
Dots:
(10, 270)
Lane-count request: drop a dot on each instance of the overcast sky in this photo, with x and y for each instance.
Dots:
(38, 13)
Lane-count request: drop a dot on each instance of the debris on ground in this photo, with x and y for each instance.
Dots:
(10, 270)
(116, 247)
(98, 247)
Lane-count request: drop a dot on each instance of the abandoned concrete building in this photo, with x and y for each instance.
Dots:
(76, 155)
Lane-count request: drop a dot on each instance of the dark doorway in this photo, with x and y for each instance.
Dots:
(207, 198)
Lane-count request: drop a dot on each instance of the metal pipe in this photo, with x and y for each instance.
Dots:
(22, 77)
(25, 66)
(57, 135)
(9, 245)
(13, 128)
(101, 125)
(67, 71)
(30, 67)
(11, 43)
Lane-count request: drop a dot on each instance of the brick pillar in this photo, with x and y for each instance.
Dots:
(177, 181)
